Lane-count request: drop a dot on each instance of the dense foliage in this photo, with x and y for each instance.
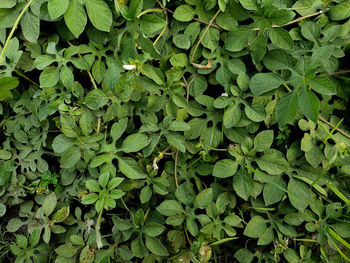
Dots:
(174, 131)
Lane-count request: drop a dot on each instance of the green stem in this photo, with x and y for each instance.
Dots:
(98, 234)
(152, 10)
(13, 30)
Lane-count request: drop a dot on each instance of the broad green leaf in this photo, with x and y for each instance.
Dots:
(49, 204)
(287, 108)
(204, 198)
(255, 227)
(92, 185)
(129, 167)
(299, 194)
(263, 82)
(178, 125)
(340, 11)
(176, 140)
(49, 77)
(232, 115)
(277, 59)
(89, 199)
(184, 13)
(99, 14)
(118, 128)
(151, 23)
(134, 143)
(309, 104)
(263, 140)
(266, 237)
(258, 48)
(61, 143)
(57, 8)
(185, 193)
(30, 25)
(310, 30)
(156, 247)
(237, 40)
(273, 194)
(7, 84)
(281, 38)
(225, 168)
(2, 210)
(68, 126)
(243, 184)
(67, 250)
(323, 86)
(153, 229)
(255, 112)
(273, 162)
(96, 99)
(170, 208)
(70, 157)
(75, 17)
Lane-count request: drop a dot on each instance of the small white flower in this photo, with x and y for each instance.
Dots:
(129, 67)
(155, 166)
(224, 95)
(89, 224)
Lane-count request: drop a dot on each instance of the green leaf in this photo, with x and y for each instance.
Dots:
(281, 38)
(309, 104)
(287, 108)
(61, 214)
(266, 237)
(114, 182)
(49, 77)
(299, 194)
(237, 39)
(49, 204)
(151, 23)
(61, 143)
(263, 140)
(89, 199)
(57, 8)
(92, 185)
(118, 128)
(310, 30)
(66, 250)
(170, 208)
(99, 14)
(103, 179)
(273, 194)
(134, 143)
(75, 17)
(153, 229)
(323, 86)
(232, 116)
(129, 167)
(176, 140)
(2, 210)
(255, 227)
(277, 59)
(30, 25)
(243, 184)
(204, 198)
(96, 99)
(7, 84)
(225, 168)
(263, 82)
(340, 11)
(273, 162)
(70, 157)
(156, 247)
(184, 13)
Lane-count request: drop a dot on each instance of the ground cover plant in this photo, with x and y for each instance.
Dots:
(174, 131)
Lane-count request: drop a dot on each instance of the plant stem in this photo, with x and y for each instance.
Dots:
(98, 234)
(152, 10)
(25, 77)
(13, 30)
(175, 168)
(333, 126)
(204, 33)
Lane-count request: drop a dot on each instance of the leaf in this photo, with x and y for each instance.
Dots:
(184, 13)
(49, 77)
(61, 143)
(30, 25)
(89, 199)
(177, 141)
(7, 84)
(309, 104)
(99, 14)
(204, 198)
(299, 194)
(263, 82)
(156, 247)
(118, 128)
(281, 38)
(185, 193)
(61, 214)
(57, 8)
(70, 157)
(49, 204)
(75, 17)
(225, 168)
(92, 185)
(323, 86)
(263, 140)
(237, 39)
(340, 11)
(67, 250)
(153, 229)
(310, 30)
(134, 143)
(243, 184)
(277, 59)
(96, 99)
(287, 108)
(273, 194)
(151, 23)
(129, 167)
(170, 208)
(255, 227)
(2, 210)
(232, 116)
(273, 162)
